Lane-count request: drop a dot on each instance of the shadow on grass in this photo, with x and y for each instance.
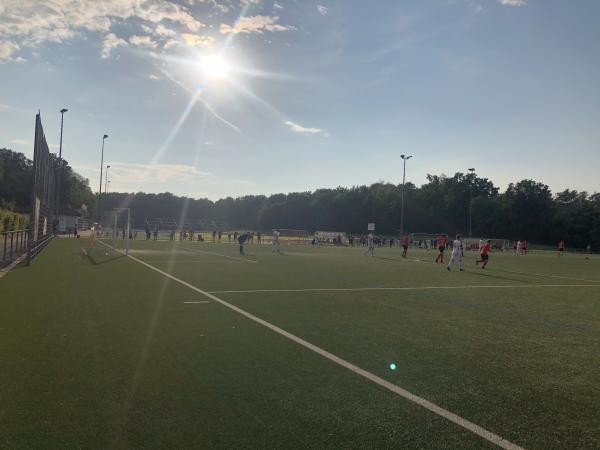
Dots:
(489, 275)
(99, 259)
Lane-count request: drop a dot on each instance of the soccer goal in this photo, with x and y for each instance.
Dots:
(115, 229)
(496, 244)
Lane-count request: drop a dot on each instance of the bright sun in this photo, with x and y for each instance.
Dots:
(214, 66)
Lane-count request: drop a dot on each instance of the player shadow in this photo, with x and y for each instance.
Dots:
(489, 275)
(390, 259)
(99, 261)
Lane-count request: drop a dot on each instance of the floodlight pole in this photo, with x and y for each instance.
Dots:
(472, 170)
(57, 205)
(404, 159)
(106, 179)
(101, 166)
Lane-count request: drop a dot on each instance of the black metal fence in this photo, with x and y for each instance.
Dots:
(42, 221)
(12, 245)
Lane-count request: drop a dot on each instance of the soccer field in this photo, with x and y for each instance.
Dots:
(191, 344)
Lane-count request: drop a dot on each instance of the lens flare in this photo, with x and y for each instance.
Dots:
(214, 66)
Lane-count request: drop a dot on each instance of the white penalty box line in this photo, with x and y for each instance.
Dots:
(432, 407)
(415, 288)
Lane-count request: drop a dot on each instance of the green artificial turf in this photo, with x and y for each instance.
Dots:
(99, 351)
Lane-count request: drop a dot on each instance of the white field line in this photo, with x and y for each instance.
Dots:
(185, 261)
(458, 420)
(206, 252)
(514, 271)
(551, 276)
(194, 303)
(416, 288)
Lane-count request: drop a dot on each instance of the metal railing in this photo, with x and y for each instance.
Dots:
(12, 244)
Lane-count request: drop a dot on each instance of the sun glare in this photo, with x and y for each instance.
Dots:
(214, 66)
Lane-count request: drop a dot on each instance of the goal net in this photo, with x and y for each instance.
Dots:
(113, 232)
(330, 238)
(496, 244)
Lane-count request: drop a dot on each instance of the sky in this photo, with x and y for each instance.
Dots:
(217, 98)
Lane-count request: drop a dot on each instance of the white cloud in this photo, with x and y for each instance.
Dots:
(296, 128)
(161, 30)
(222, 7)
(513, 2)
(31, 23)
(161, 173)
(7, 49)
(322, 9)
(171, 43)
(128, 176)
(153, 77)
(143, 41)
(109, 42)
(255, 24)
(21, 142)
(277, 5)
(195, 40)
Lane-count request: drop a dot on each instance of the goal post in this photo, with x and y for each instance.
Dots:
(115, 227)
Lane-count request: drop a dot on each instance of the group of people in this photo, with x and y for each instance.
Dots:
(247, 237)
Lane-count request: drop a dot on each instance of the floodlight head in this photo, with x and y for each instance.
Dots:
(64, 110)
(105, 136)
(107, 166)
(472, 169)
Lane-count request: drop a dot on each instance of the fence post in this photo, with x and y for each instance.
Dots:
(12, 236)
(4, 253)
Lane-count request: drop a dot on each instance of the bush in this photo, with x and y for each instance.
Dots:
(11, 221)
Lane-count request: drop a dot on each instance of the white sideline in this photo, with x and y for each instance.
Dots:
(464, 423)
(193, 303)
(416, 288)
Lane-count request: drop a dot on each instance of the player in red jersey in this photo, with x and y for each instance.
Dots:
(404, 246)
(484, 252)
(442, 241)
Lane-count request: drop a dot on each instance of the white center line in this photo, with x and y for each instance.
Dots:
(458, 420)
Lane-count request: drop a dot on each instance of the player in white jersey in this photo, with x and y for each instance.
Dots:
(370, 245)
(457, 253)
(275, 241)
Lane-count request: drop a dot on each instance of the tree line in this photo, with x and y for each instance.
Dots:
(525, 210)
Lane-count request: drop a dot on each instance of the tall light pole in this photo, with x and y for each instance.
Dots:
(404, 159)
(472, 170)
(106, 179)
(57, 203)
(106, 189)
(101, 166)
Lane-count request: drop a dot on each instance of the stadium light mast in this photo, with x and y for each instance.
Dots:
(106, 189)
(472, 170)
(101, 166)
(57, 205)
(106, 179)
(404, 159)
